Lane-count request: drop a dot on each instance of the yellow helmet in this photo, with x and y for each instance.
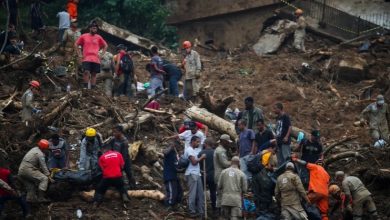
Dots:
(333, 189)
(299, 11)
(90, 132)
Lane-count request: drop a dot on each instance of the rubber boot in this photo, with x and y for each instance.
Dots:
(41, 196)
(125, 198)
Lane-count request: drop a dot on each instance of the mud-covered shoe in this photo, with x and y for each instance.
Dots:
(125, 198)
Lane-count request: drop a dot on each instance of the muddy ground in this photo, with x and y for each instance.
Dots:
(241, 73)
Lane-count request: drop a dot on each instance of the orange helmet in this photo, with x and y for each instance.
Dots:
(35, 84)
(43, 144)
(186, 44)
(299, 11)
(333, 189)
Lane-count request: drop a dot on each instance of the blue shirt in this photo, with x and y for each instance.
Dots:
(170, 161)
(156, 59)
(247, 136)
(64, 20)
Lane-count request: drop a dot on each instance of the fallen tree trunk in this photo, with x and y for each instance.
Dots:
(111, 194)
(221, 125)
(339, 142)
(335, 157)
(212, 121)
(142, 118)
(48, 118)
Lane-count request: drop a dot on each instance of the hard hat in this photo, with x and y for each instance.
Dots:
(90, 132)
(290, 165)
(43, 144)
(186, 44)
(35, 84)
(298, 11)
(333, 189)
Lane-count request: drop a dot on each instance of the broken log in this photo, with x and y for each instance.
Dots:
(213, 105)
(146, 175)
(7, 102)
(339, 142)
(111, 194)
(142, 117)
(48, 118)
(335, 157)
(212, 121)
(223, 126)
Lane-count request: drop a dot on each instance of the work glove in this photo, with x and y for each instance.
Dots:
(36, 111)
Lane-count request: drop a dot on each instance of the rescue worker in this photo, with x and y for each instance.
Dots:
(378, 116)
(89, 150)
(68, 40)
(221, 162)
(8, 190)
(300, 31)
(120, 144)
(107, 70)
(251, 114)
(58, 152)
(342, 208)
(28, 99)
(354, 189)
(318, 186)
(87, 47)
(33, 171)
(288, 192)
(232, 183)
(111, 164)
(263, 186)
(192, 66)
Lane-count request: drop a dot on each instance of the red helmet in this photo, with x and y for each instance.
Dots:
(186, 44)
(35, 84)
(43, 144)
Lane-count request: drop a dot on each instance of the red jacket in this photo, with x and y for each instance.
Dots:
(111, 164)
(198, 125)
(4, 175)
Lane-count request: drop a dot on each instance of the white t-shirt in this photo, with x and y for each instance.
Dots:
(187, 135)
(192, 169)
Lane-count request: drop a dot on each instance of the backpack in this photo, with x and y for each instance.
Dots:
(126, 64)
(182, 163)
(254, 163)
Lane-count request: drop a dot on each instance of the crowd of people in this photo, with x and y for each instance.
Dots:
(263, 162)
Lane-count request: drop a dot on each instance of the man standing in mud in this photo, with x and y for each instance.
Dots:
(283, 130)
(192, 66)
(91, 43)
(378, 116)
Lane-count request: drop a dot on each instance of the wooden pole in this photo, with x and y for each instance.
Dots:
(205, 189)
